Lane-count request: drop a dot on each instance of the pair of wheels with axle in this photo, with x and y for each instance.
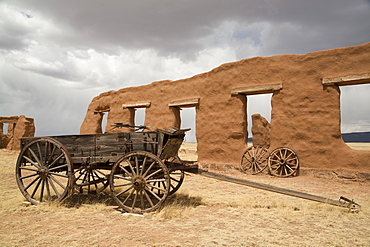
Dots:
(139, 181)
(281, 162)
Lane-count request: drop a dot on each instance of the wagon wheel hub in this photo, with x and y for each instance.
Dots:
(43, 172)
(139, 183)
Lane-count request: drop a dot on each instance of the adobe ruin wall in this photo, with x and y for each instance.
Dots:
(18, 127)
(305, 106)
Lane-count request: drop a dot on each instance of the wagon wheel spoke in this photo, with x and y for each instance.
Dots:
(148, 199)
(134, 201)
(36, 188)
(37, 163)
(51, 155)
(154, 194)
(48, 190)
(132, 168)
(154, 173)
(122, 192)
(28, 176)
(143, 186)
(283, 162)
(54, 188)
(30, 161)
(59, 174)
(42, 164)
(57, 160)
(127, 172)
(254, 160)
(142, 202)
(143, 165)
(39, 151)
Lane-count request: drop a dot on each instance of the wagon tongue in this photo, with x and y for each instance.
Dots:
(342, 202)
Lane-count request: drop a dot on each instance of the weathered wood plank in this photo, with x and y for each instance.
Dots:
(257, 89)
(136, 105)
(185, 103)
(347, 80)
(218, 176)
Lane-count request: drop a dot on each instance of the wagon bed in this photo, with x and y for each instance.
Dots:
(141, 168)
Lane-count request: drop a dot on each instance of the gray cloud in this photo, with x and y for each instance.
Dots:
(57, 55)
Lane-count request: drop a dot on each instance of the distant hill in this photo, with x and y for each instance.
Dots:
(356, 137)
(349, 137)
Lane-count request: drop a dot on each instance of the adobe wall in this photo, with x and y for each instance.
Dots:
(305, 112)
(18, 127)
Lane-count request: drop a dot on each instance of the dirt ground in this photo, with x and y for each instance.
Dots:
(204, 212)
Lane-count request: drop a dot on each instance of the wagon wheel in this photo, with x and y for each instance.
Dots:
(254, 160)
(44, 171)
(139, 182)
(90, 179)
(283, 162)
(176, 176)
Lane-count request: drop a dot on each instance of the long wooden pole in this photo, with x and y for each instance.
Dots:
(342, 202)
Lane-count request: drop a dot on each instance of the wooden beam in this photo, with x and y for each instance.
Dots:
(347, 80)
(136, 105)
(184, 103)
(262, 89)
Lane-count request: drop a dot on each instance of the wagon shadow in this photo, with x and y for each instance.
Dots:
(77, 200)
(184, 200)
(176, 200)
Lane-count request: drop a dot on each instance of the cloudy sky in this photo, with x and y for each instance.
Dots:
(55, 56)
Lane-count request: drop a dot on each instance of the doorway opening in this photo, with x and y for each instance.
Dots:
(188, 120)
(189, 148)
(185, 117)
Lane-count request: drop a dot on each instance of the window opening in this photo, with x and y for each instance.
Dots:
(5, 128)
(261, 104)
(355, 115)
(104, 122)
(139, 116)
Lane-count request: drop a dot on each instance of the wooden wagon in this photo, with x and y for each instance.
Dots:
(141, 168)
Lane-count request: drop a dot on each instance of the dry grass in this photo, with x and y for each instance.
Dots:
(179, 206)
(204, 212)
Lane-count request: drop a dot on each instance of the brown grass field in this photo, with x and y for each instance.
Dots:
(204, 212)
